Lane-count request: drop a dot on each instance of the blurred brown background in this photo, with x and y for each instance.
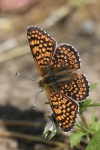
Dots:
(76, 22)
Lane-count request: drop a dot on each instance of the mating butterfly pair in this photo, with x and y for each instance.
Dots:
(56, 64)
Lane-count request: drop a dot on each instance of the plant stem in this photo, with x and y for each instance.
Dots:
(84, 121)
(94, 104)
(86, 127)
(81, 128)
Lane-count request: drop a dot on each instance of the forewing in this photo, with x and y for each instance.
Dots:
(65, 57)
(42, 47)
(76, 88)
(64, 108)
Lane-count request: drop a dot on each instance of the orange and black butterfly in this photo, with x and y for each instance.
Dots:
(57, 65)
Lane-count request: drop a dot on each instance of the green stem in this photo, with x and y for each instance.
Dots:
(84, 121)
(94, 105)
(89, 135)
(81, 128)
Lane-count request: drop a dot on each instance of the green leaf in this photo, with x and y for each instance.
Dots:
(75, 138)
(95, 124)
(84, 105)
(94, 144)
(87, 103)
(93, 85)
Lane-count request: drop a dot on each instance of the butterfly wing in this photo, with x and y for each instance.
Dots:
(42, 47)
(65, 61)
(64, 108)
(76, 88)
(65, 58)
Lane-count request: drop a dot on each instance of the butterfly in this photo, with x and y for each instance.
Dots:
(57, 65)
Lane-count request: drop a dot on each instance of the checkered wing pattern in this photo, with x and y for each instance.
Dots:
(65, 58)
(76, 88)
(56, 65)
(42, 47)
(64, 108)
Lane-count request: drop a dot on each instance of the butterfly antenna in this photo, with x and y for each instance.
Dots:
(36, 99)
(24, 76)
